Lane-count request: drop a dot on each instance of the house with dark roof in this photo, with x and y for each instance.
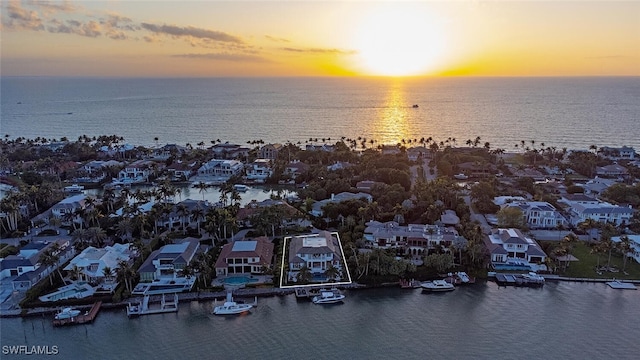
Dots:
(296, 168)
(245, 257)
(512, 244)
(26, 267)
(613, 170)
(270, 151)
(229, 151)
(168, 261)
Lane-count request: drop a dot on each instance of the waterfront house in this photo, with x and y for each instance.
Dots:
(229, 151)
(538, 214)
(295, 169)
(136, 172)
(166, 262)
(323, 147)
(168, 150)
(317, 252)
(622, 153)
(316, 208)
(259, 170)
(245, 257)
(221, 170)
(635, 246)
(25, 267)
(181, 171)
(390, 149)
(92, 261)
(413, 239)
(511, 244)
(269, 151)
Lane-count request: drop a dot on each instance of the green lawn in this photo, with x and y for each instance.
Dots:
(586, 265)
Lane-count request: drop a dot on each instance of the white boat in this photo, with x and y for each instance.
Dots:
(231, 307)
(241, 187)
(75, 188)
(437, 285)
(67, 313)
(532, 276)
(464, 278)
(328, 297)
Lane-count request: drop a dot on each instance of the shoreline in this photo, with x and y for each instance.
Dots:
(254, 292)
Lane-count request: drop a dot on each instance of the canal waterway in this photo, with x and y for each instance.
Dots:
(563, 320)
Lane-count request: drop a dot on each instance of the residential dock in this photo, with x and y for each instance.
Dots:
(87, 317)
(142, 308)
(617, 284)
(307, 292)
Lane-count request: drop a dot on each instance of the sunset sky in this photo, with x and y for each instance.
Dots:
(330, 38)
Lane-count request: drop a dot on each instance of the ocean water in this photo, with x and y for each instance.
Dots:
(560, 112)
(482, 321)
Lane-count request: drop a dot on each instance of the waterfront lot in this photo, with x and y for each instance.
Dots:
(587, 262)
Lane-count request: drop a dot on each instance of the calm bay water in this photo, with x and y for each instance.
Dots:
(559, 321)
(561, 112)
(562, 320)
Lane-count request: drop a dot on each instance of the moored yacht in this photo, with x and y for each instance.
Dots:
(231, 307)
(437, 285)
(328, 297)
(67, 313)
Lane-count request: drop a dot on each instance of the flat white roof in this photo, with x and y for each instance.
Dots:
(314, 242)
(243, 245)
(174, 248)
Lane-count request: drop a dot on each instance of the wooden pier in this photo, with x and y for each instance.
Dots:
(87, 317)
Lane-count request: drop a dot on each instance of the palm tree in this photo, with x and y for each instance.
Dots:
(96, 236)
(625, 247)
(304, 275)
(125, 273)
(202, 188)
(48, 259)
(107, 272)
(75, 272)
(332, 272)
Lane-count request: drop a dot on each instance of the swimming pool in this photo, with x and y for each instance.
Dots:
(239, 280)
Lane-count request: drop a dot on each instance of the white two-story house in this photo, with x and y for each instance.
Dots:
(168, 261)
(259, 170)
(222, 170)
(316, 252)
(136, 172)
(511, 244)
(539, 214)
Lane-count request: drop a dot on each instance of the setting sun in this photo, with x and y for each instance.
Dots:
(398, 41)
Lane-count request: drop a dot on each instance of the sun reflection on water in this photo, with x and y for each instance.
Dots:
(393, 121)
